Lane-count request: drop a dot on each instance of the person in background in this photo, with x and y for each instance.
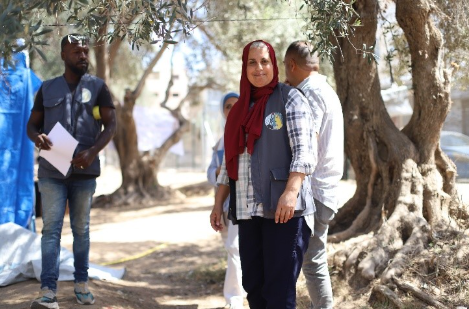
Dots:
(268, 159)
(82, 104)
(232, 288)
(301, 69)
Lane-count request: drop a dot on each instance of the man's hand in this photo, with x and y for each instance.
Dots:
(84, 158)
(285, 207)
(215, 217)
(43, 142)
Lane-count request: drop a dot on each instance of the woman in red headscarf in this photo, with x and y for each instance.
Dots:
(269, 157)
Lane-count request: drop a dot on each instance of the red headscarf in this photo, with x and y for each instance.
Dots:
(242, 120)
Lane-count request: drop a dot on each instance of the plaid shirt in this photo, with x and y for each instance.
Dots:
(300, 133)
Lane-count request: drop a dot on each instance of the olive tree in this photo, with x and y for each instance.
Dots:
(114, 25)
(406, 190)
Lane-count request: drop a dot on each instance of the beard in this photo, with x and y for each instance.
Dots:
(79, 70)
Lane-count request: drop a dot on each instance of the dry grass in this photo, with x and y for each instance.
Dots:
(213, 274)
(442, 271)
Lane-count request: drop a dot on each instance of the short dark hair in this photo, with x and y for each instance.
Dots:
(73, 38)
(301, 51)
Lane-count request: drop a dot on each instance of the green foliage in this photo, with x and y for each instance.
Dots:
(126, 70)
(397, 54)
(453, 23)
(327, 21)
(230, 25)
(139, 22)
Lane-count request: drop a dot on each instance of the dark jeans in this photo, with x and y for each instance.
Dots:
(271, 258)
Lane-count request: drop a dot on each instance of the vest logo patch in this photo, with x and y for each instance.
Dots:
(85, 95)
(274, 121)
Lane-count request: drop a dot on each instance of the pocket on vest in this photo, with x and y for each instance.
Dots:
(53, 110)
(278, 183)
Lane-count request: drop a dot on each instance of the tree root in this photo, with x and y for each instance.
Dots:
(382, 295)
(361, 223)
(408, 288)
(403, 235)
(414, 245)
(134, 195)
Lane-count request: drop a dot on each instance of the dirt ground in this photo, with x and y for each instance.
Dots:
(172, 258)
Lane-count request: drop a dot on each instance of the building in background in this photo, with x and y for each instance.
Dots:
(457, 119)
(155, 124)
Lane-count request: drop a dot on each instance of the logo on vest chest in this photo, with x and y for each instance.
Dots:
(85, 95)
(274, 121)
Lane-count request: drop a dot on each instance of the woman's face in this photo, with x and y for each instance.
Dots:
(259, 69)
(228, 105)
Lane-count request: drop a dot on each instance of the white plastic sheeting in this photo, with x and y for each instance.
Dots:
(20, 258)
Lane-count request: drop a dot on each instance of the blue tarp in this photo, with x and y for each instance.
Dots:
(17, 87)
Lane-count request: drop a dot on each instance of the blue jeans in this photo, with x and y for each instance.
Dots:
(54, 196)
(315, 267)
(271, 257)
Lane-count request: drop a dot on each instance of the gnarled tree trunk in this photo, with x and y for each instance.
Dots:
(139, 170)
(405, 184)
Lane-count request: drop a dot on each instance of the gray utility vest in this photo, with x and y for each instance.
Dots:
(75, 113)
(271, 159)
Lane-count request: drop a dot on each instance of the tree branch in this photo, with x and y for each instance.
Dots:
(116, 44)
(170, 83)
(191, 95)
(406, 287)
(149, 69)
(213, 40)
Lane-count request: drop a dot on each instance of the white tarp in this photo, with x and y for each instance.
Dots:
(20, 258)
(154, 127)
(396, 101)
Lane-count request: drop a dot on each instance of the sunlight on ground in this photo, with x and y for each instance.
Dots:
(111, 179)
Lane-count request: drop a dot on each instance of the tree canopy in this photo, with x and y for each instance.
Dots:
(139, 22)
(406, 195)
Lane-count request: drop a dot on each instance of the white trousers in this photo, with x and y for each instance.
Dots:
(232, 288)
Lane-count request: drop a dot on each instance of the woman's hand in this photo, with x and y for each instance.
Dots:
(215, 218)
(285, 207)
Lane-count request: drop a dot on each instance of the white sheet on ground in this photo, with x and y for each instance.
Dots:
(20, 258)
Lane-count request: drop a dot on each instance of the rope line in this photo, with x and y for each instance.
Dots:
(137, 256)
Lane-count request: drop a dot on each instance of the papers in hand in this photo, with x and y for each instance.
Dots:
(61, 152)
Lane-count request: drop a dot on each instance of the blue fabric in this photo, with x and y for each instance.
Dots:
(17, 87)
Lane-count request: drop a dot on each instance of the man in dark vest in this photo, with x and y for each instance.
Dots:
(82, 104)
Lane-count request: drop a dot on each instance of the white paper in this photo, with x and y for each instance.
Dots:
(61, 152)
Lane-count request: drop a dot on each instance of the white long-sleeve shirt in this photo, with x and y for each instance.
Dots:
(328, 123)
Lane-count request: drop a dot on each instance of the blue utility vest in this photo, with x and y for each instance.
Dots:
(271, 159)
(75, 113)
